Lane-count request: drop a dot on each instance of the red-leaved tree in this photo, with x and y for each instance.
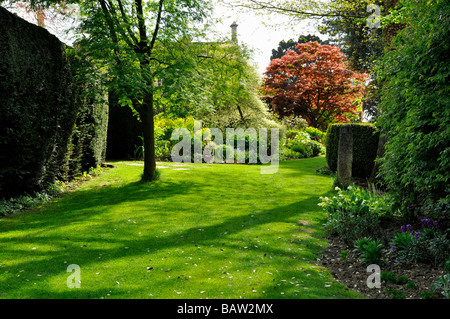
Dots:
(315, 84)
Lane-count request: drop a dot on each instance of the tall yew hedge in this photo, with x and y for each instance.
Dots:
(53, 109)
(37, 106)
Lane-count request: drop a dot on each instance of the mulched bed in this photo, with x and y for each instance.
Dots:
(353, 274)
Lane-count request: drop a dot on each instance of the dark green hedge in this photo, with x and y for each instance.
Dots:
(37, 106)
(88, 141)
(52, 121)
(365, 143)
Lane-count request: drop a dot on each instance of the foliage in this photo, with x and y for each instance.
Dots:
(395, 293)
(365, 144)
(415, 108)
(164, 143)
(37, 104)
(443, 282)
(370, 250)
(232, 91)
(291, 44)
(315, 84)
(316, 134)
(294, 123)
(87, 146)
(391, 278)
(140, 43)
(301, 144)
(354, 213)
(362, 45)
(428, 245)
(21, 202)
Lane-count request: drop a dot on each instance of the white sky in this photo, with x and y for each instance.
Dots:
(262, 33)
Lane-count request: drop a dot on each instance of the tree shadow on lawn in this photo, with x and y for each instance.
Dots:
(85, 204)
(54, 262)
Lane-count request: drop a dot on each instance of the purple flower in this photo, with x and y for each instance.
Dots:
(409, 227)
(416, 235)
(436, 225)
(393, 248)
(403, 229)
(425, 222)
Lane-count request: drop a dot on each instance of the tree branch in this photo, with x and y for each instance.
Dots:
(262, 5)
(158, 21)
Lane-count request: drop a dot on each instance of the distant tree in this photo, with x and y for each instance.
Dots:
(361, 44)
(285, 46)
(315, 84)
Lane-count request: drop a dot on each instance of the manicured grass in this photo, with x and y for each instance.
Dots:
(201, 231)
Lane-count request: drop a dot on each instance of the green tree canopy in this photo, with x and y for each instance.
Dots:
(290, 45)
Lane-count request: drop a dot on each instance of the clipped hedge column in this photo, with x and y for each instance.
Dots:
(345, 156)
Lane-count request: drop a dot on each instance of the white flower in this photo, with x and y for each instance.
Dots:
(337, 188)
(349, 188)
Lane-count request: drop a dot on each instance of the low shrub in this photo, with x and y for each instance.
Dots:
(316, 134)
(354, 213)
(18, 203)
(301, 144)
(396, 294)
(428, 245)
(391, 278)
(370, 250)
(443, 283)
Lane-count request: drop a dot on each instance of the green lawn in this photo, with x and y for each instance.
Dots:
(201, 231)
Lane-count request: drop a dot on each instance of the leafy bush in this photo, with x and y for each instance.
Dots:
(370, 250)
(415, 108)
(365, 145)
(395, 293)
(299, 144)
(428, 245)
(391, 278)
(316, 134)
(164, 144)
(354, 213)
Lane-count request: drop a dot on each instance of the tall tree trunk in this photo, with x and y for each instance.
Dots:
(148, 127)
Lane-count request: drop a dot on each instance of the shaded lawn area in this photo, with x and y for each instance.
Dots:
(202, 231)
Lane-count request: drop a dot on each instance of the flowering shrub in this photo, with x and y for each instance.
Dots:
(357, 200)
(354, 213)
(428, 245)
